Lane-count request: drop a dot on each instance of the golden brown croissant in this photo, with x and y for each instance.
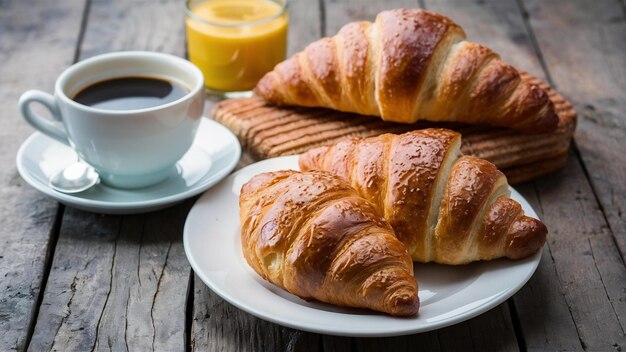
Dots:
(410, 65)
(443, 206)
(314, 236)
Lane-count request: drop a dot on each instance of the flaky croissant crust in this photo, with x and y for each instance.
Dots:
(314, 236)
(445, 207)
(410, 65)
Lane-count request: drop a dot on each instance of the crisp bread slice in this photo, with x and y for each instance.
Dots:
(267, 131)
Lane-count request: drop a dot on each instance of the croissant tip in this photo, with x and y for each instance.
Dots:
(549, 122)
(546, 119)
(528, 235)
(405, 303)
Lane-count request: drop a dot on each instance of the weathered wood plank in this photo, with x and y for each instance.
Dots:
(149, 280)
(217, 325)
(419, 342)
(27, 217)
(597, 87)
(79, 283)
(491, 331)
(546, 321)
(123, 280)
(578, 233)
(336, 343)
(134, 25)
(585, 52)
(304, 24)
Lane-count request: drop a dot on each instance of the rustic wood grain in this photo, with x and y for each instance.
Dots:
(145, 309)
(598, 61)
(597, 87)
(27, 217)
(425, 342)
(491, 331)
(218, 326)
(587, 262)
(115, 25)
(545, 319)
(79, 283)
(336, 343)
(121, 280)
(305, 24)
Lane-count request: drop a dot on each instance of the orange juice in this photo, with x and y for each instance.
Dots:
(235, 42)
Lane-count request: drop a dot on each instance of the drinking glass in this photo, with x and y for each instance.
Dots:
(235, 42)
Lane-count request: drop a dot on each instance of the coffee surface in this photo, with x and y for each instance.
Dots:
(130, 93)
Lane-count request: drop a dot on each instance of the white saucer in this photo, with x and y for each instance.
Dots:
(448, 294)
(213, 155)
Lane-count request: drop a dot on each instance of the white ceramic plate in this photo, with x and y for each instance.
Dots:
(448, 294)
(213, 155)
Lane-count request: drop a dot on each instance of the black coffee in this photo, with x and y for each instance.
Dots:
(130, 93)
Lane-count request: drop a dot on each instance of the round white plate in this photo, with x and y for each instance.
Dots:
(448, 294)
(213, 155)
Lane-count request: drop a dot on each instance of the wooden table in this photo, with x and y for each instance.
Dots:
(76, 281)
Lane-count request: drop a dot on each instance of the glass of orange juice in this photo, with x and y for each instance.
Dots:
(235, 42)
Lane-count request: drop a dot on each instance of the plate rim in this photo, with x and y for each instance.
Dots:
(534, 260)
(83, 203)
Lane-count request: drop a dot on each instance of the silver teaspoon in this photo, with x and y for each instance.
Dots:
(76, 177)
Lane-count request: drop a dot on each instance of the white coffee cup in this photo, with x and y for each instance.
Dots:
(129, 148)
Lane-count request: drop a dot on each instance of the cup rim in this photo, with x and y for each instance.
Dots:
(172, 59)
(190, 14)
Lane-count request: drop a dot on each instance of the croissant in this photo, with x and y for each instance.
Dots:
(314, 236)
(445, 207)
(410, 65)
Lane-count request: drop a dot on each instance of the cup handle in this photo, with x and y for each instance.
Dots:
(41, 123)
